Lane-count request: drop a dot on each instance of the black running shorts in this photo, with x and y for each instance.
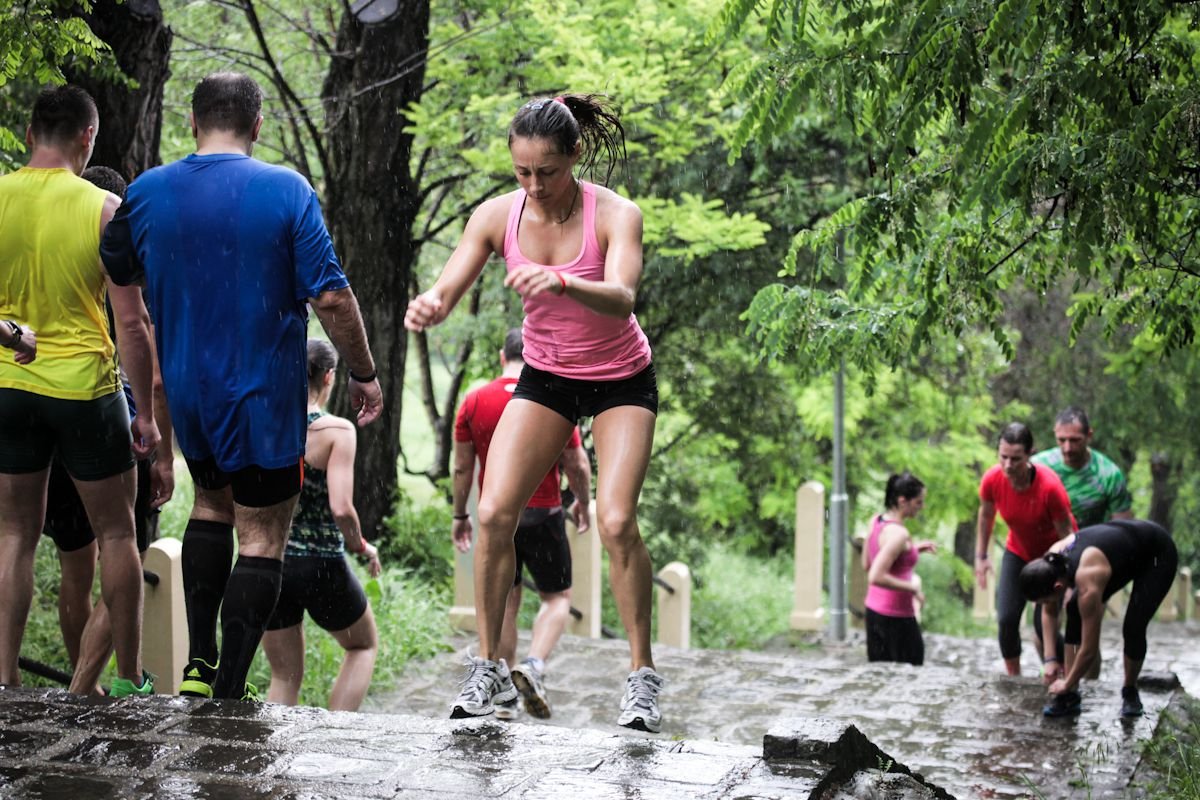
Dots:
(325, 587)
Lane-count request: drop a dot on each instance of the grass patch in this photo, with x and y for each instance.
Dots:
(1173, 754)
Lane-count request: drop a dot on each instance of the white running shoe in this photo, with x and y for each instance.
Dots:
(485, 684)
(639, 705)
(507, 710)
(528, 680)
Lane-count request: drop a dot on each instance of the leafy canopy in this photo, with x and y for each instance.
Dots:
(1028, 140)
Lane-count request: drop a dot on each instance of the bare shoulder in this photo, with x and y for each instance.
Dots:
(333, 424)
(895, 532)
(490, 219)
(609, 203)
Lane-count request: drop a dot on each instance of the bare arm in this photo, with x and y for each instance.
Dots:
(479, 241)
(137, 357)
(984, 525)
(464, 472)
(339, 476)
(1091, 612)
(574, 462)
(893, 540)
(162, 471)
(1053, 669)
(340, 316)
(616, 294)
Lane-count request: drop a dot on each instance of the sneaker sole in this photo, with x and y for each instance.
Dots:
(508, 715)
(195, 689)
(458, 712)
(535, 704)
(640, 724)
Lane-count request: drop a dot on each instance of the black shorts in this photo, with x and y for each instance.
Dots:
(253, 486)
(92, 437)
(325, 587)
(542, 546)
(574, 398)
(894, 639)
(67, 521)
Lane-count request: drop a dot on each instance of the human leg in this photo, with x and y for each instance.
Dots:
(527, 443)
(22, 509)
(361, 643)
(1150, 588)
(623, 437)
(207, 558)
(109, 503)
(508, 632)
(284, 649)
(78, 568)
(1010, 606)
(252, 590)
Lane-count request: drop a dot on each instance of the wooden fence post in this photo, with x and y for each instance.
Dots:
(164, 616)
(675, 607)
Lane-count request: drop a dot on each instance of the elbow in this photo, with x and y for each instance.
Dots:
(330, 300)
(342, 512)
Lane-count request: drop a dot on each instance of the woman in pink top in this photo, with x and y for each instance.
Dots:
(573, 252)
(893, 594)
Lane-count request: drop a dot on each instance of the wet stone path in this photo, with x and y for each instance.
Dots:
(958, 721)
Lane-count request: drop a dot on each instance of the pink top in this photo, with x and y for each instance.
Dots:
(563, 336)
(880, 599)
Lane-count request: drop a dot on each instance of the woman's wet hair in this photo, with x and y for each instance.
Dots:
(903, 485)
(322, 358)
(570, 119)
(1018, 433)
(1038, 576)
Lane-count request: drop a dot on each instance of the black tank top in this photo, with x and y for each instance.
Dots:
(314, 533)
(1130, 545)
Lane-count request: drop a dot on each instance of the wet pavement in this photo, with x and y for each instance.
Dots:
(799, 721)
(958, 721)
(54, 746)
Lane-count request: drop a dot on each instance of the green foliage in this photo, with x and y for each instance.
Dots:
(419, 541)
(37, 40)
(1031, 140)
(739, 601)
(1174, 753)
(947, 581)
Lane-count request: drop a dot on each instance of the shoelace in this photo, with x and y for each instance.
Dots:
(477, 674)
(643, 691)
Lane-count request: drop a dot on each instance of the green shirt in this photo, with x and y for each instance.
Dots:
(1097, 490)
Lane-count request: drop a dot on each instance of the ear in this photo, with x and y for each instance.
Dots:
(29, 136)
(257, 127)
(192, 122)
(328, 377)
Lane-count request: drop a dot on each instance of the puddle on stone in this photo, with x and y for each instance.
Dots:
(336, 769)
(120, 753)
(225, 729)
(179, 788)
(227, 760)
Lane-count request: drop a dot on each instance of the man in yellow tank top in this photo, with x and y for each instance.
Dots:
(69, 399)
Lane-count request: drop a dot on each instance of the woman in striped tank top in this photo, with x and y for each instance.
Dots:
(573, 252)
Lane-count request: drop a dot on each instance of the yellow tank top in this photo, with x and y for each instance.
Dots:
(50, 280)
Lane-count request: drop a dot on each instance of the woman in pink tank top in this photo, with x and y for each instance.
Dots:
(893, 593)
(573, 252)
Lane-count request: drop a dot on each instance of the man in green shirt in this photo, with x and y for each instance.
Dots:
(1094, 483)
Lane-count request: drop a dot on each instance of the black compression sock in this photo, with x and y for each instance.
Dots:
(207, 556)
(250, 599)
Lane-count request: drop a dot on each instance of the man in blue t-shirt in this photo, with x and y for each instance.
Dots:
(231, 249)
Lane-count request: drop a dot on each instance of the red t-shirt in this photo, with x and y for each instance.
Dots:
(1030, 513)
(476, 422)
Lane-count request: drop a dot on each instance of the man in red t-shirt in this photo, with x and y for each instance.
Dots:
(541, 540)
(1034, 504)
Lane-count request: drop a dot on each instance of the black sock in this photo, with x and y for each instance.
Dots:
(207, 556)
(250, 599)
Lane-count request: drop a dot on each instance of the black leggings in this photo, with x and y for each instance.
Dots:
(1150, 586)
(1010, 606)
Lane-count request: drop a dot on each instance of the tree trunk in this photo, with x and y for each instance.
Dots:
(130, 118)
(1163, 489)
(371, 205)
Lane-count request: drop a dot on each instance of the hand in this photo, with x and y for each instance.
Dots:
(1059, 686)
(982, 567)
(926, 547)
(25, 348)
(582, 515)
(370, 554)
(162, 481)
(460, 532)
(367, 400)
(1052, 672)
(424, 310)
(531, 281)
(145, 436)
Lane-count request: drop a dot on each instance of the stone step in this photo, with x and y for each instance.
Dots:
(957, 721)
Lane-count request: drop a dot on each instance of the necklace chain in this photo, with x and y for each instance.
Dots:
(571, 208)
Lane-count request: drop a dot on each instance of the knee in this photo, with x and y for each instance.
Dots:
(618, 527)
(496, 522)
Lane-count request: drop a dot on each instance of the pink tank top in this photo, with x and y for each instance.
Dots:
(880, 599)
(563, 336)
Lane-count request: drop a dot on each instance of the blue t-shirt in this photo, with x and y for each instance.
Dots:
(231, 249)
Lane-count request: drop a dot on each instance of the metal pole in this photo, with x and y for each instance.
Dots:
(837, 514)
